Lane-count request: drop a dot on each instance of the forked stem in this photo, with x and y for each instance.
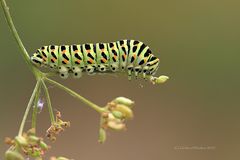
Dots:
(40, 79)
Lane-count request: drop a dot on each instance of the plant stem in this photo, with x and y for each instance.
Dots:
(35, 108)
(28, 107)
(76, 95)
(24, 52)
(50, 110)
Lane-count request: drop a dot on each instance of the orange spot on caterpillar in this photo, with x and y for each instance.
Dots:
(66, 61)
(104, 60)
(91, 60)
(53, 59)
(115, 57)
(124, 55)
(134, 56)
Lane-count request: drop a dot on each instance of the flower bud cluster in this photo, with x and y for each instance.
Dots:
(114, 117)
(57, 127)
(28, 143)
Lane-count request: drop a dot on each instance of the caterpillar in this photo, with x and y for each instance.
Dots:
(131, 56)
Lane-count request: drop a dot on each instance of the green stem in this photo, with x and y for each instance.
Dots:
(24, 52)
(35, 108)
(50, 110)
(28, 107)
(76, 95)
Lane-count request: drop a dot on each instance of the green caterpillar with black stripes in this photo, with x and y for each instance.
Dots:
(131, 56)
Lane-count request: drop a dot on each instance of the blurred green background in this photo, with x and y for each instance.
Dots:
(198, 43)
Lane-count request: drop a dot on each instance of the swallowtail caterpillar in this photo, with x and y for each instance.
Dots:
(131, 56)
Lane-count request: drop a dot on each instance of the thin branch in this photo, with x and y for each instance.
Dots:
(35, 108)
(28, 107)
(50, 110)
(24, 52)
(76, 95)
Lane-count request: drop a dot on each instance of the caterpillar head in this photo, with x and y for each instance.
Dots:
(36, 59)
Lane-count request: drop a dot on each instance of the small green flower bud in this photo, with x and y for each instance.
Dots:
(161, 79)
(116, 125)
(33, 139)
(117, 114)
(21, 140)
(124, 101)
(102, 135)
(43, 145)
(126, 111)
(13, 155)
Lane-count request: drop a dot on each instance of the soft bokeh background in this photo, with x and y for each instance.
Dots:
(198, 43)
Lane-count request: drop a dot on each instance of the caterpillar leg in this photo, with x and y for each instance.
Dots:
(130, 69)
(90, 70)
(77, 72)
(102, 68)
(114, 67)
(63, 72)
(145, 71)
(137, 70)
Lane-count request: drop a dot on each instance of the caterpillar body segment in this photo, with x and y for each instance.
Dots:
(102, 57)
(114, 56)
(77, 61)
(131, 56)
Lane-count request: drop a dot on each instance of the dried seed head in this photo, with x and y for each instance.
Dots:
(8, 141)
(57, 127)
(28, 144)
